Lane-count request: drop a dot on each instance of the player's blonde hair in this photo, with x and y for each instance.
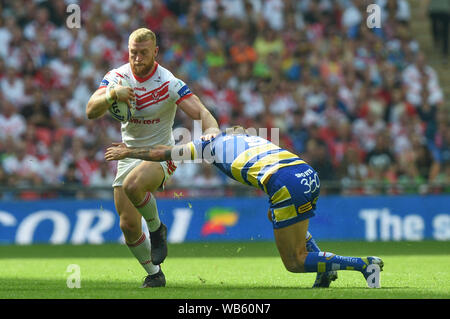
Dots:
(236, 129)
(142, 35)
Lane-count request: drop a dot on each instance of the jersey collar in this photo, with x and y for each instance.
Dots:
(140, 80)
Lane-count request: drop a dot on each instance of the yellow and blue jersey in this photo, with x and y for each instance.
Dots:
(292, 185)
(250, 160)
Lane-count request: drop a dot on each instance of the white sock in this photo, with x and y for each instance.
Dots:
(149, 211)
(141, 250)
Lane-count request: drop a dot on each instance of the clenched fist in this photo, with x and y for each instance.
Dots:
(116, 151)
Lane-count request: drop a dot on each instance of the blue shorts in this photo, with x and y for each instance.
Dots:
(293, 193)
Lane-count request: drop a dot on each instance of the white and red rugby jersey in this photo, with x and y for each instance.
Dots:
(157, 97)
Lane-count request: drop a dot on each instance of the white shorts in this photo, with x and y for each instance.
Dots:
(126, 165)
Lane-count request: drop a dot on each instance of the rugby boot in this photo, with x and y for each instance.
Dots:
(372, 260)
(155, 280)
(158, 240)
(324, 279)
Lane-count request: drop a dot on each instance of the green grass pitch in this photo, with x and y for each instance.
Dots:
(241, 270)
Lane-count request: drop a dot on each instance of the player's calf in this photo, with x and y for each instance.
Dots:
(323, 280)
(295, 261)
(158, 231)
(131, 229)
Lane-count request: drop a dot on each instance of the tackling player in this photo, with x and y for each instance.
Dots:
(292, 185)
(156, 93)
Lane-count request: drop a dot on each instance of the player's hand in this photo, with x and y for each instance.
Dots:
(124, 94)
(116, 151)
(208, 137)
(210, 134)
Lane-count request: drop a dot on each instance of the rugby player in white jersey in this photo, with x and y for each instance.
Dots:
(157, 94)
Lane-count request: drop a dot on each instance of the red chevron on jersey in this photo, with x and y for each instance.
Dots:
(164, 85)
(159, 94)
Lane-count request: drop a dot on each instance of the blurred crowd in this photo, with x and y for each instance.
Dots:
(361, 105)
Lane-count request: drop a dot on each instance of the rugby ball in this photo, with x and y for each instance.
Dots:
(120, 110)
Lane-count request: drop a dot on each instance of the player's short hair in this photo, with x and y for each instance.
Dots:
(236, 129)
(142, 35)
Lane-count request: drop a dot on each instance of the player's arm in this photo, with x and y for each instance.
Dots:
(158, 153)
(104, 97)
(195, 109)
(97, 104)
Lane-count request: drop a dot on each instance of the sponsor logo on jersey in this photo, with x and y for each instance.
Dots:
(140, 89)
(184, 91)
(104, 82)
(148, 122)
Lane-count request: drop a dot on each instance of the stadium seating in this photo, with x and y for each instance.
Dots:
(367, 108)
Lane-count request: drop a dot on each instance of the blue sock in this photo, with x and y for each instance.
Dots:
(323, 262)
(311, 245)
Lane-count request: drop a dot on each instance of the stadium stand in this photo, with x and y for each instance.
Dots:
(368, 108)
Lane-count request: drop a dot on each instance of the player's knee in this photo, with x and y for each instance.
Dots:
(131, 187)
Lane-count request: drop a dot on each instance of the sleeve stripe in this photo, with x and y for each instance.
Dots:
(184, 97)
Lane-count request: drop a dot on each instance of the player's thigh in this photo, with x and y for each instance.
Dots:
(130, 218)
(291, 243)
(147, 176)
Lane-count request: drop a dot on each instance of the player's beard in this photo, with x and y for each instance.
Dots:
(143, 69)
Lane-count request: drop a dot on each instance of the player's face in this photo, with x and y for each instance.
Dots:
(142, 57)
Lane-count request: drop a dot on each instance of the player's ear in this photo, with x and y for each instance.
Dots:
(156, 50)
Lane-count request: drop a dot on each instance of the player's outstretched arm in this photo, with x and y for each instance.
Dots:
(156, 153)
